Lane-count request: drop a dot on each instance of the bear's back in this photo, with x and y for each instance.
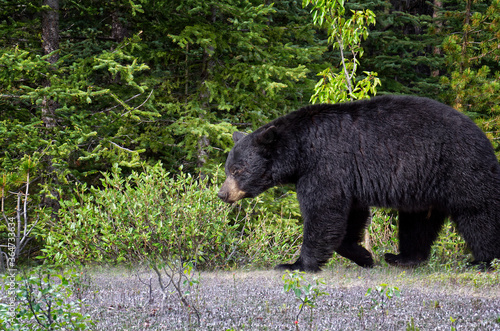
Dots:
(402, 143)
(386, 118)
(389, 109)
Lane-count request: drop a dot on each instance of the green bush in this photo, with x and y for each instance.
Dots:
(153, 215)
(41, 300)
(449, 249)
(383, 233)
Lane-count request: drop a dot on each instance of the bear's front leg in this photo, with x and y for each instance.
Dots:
(298, 265)
(325, 223)
(350, 248)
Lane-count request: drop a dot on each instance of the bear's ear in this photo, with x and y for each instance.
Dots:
(268, 136)
(237, 136)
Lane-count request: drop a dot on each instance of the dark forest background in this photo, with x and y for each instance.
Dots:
(89, 85)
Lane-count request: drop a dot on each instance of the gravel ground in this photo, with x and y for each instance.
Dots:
(256, 300)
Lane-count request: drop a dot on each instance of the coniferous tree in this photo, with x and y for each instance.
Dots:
(149, 80)
(471, 32)
(402, 47)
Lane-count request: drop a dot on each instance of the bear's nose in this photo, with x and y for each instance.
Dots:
(222, 195)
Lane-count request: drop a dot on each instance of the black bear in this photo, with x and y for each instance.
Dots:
(412, 154)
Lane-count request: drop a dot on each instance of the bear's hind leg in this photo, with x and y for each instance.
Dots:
(350, 247)
(481, 232)
(417, 232)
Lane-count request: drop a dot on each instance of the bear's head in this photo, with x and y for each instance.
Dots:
(248, 165)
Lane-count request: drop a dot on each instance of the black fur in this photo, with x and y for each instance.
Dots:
(412, 154)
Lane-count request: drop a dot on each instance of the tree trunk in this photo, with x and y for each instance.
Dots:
(465, 42)
(208, 65)
(50, 43)
(438, 5)
(118, 31)
(464, 60)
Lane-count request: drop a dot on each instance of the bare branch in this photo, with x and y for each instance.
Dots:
(348, 79)
(125, 149)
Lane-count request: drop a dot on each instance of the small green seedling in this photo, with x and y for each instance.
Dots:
(381, 293)
(304, 291)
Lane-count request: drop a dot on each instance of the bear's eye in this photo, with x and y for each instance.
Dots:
(236, 171)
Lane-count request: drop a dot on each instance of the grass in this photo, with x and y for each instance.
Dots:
(117, 299)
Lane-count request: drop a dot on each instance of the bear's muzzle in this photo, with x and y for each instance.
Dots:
(230, 191)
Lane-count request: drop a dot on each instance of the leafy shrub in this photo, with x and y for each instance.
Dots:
(42, 300)
(151, 215)
(383, 232)
(449, 249)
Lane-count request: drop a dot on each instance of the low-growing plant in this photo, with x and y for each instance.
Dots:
(155, 215)
(43, 301)
(306, 292)
(382, 232)
(410, 326)
(450, 248)
(380, 294)
(183, 279)
(82, 282)
(495, 265)
(453, 324)
(268, 234)
(15, 218)
(149, 284)
(361, 316)
(380, 236)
